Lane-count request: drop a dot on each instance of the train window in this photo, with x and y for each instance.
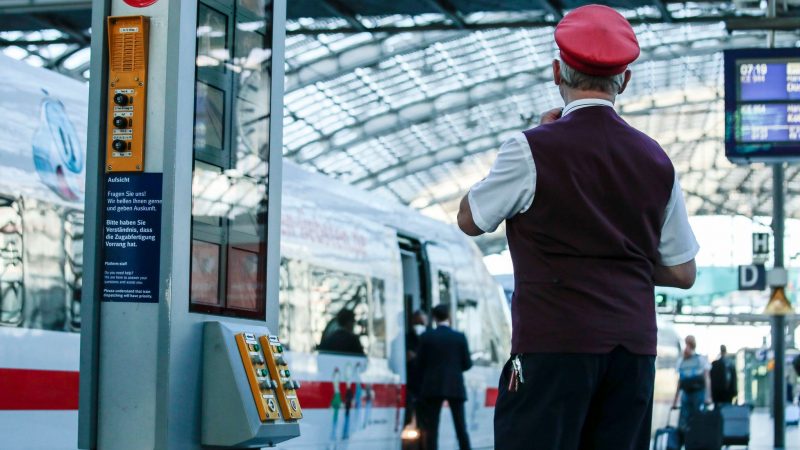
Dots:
(73, 270)
(11, 269)
(331, 311)
(476, 322)
(231, 151)
(445, 290)
(377, 326)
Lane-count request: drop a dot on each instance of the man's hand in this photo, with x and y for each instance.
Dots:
(550, 116)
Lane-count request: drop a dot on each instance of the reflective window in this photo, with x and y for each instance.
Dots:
(445, 293)
(73, 266)
(231, 152)
(11, 269)
(331, 311)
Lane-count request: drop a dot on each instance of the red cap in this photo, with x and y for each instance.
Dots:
(596, 40)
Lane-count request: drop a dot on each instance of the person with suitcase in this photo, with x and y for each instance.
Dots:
(693, 383)
(723, 379)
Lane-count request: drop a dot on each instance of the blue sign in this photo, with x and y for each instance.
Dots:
(752, 277)
(132, 238)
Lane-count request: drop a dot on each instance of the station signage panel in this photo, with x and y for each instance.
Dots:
(760, 246)
(762, 105)
(752, 277)
(132, 238)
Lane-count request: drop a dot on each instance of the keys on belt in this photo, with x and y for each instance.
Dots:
(517, 376)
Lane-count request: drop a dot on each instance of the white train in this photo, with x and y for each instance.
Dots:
(341, 248)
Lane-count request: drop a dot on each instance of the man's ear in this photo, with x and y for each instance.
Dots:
(625, 81)
(556, 72)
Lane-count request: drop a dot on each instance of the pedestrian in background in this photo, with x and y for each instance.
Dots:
(693, 384)
(443, 356)
(595, 217)
(724, 385)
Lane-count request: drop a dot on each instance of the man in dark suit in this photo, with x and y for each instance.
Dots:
(723, 378)
(443, 357)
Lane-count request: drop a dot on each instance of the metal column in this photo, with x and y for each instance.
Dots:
(778, 320)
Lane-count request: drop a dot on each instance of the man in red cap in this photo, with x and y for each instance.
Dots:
(595, 218)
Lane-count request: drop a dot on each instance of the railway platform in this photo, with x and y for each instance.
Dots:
(761, 433)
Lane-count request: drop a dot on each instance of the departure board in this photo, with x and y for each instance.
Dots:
(762, 105)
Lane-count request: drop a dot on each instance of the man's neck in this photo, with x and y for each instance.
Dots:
(445, 323)
(571, 95)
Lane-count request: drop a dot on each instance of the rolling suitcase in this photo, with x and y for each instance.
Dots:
(704, 431)
(735, 424)
(792, 415)
(667, 438)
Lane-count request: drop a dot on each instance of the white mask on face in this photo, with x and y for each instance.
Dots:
(419, 329)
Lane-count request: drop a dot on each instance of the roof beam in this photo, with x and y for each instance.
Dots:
(526, 23)
(662, 9)
(449, 11)
(552, 7)
(762, 23)
(37, 42)
(343, 11)
(39, 6)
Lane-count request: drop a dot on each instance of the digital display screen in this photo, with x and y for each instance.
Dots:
(769, 122)
(762, 105)
(769, 81)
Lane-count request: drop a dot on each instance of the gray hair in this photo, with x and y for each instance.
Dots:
(578, 80)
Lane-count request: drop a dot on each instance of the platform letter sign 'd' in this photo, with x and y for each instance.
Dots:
(760, 246)
(752, 278)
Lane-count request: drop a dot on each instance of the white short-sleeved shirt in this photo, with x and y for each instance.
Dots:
(509, 190)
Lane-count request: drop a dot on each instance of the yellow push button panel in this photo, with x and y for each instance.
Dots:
(127, 93)
(262, 384)
(279, 370)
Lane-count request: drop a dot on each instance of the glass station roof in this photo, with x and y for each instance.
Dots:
(417, 116)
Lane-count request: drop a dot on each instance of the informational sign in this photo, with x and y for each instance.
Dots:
(752, 277)
(131, 238)
(760, 246)
(762, 105)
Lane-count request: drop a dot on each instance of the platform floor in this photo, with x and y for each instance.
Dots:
(761, 433)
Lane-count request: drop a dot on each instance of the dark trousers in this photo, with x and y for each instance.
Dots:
(572, 401)
(431, 409)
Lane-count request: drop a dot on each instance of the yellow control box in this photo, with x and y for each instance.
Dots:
(279, 370)
(127, 93)
(262, 385)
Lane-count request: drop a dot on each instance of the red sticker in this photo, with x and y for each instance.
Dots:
(140, 3)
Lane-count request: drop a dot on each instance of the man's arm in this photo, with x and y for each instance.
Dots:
(505, 192)
(465, 220)
(680, 276)
(466, 363)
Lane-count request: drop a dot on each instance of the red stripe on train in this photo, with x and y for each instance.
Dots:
(30, 389)
(25, 389)
(491, 397)
(319, 394)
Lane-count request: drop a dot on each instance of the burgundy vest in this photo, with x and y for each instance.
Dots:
(584, 251)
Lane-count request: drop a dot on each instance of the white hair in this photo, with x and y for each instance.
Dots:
(579, 80)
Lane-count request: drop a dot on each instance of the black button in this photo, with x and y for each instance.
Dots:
(118, 145)
(121, 99)
(120, 122)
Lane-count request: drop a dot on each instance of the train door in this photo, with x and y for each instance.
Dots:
(12, 293)
(416, 288)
